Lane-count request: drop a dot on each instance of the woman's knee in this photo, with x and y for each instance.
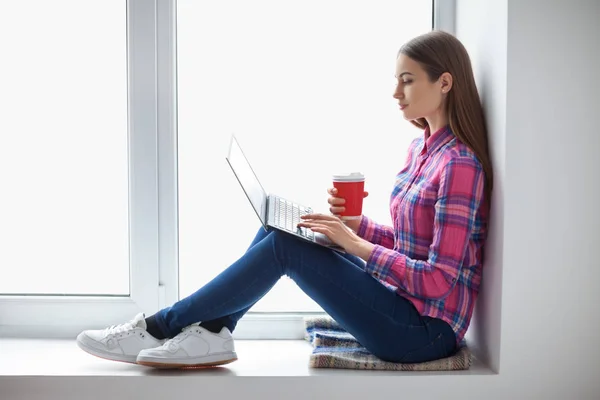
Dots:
(293, 253)
(283, 240)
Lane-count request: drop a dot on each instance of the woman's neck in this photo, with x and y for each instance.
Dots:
(436, 122)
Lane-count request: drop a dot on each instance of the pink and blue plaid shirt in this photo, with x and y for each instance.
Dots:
(433, 254)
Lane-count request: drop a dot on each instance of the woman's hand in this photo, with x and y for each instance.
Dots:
(337, 207)
(333, 228)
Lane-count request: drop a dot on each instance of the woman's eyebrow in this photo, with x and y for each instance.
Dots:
(404, 73)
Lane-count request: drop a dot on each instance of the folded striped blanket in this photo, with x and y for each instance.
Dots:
(336, 348)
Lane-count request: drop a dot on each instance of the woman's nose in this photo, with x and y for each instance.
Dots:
(398, 94)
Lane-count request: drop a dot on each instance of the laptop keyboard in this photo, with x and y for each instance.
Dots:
(287, 216)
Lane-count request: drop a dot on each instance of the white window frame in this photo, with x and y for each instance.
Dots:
(153, 197)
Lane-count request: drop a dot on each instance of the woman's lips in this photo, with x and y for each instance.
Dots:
(403, 106)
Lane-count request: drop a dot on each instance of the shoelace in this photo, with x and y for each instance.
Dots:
(127, 326)
(171, 343)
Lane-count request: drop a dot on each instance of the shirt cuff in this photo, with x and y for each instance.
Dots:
(362, 228)
(380, 263)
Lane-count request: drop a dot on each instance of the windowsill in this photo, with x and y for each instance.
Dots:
(256, 358)
(47, 369)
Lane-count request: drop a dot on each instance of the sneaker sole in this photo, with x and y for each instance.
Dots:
(193, 363)
(105, 355)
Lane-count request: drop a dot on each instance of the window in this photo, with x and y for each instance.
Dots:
(302, 85)
(63, 151)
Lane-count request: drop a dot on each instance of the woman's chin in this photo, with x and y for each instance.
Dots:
(411, 116)
(407, 116)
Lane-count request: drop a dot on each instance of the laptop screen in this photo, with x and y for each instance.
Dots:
(248, 180)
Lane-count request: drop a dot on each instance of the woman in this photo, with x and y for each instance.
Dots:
(406, 291)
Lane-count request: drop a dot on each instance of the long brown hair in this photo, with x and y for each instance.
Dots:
(438, 52)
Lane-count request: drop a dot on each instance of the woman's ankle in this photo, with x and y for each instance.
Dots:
(216, 325)
(153, 329)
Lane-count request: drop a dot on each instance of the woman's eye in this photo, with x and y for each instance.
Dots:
(406, 82)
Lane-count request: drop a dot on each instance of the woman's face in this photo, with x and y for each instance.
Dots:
(417, 96)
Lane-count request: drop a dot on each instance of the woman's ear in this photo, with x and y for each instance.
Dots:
(445, 82)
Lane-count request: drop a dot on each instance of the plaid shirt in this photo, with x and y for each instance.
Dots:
(433, 253)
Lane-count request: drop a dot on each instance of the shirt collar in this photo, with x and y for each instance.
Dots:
(433, 142)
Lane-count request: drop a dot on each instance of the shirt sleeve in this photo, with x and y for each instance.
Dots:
(460, 193)
(376, 233)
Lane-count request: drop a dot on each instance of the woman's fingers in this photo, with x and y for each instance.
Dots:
(320, 217)
(336, 201)
(315, 224)
(337, 210)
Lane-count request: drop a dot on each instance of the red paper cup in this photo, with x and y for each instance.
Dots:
(351, 188)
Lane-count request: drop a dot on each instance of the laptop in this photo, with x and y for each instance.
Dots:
(272, 211)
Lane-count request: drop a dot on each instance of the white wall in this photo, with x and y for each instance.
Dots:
(536, 64)
(482, 27)
(550, 302)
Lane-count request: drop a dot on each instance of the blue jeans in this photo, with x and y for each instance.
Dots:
(385, 323)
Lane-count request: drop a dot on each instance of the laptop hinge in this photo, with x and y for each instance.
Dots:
(267, 212)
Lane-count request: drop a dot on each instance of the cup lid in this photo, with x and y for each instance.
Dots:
(349, 177)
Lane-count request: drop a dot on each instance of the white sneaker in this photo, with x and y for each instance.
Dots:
(119, 342)
(194, 347)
